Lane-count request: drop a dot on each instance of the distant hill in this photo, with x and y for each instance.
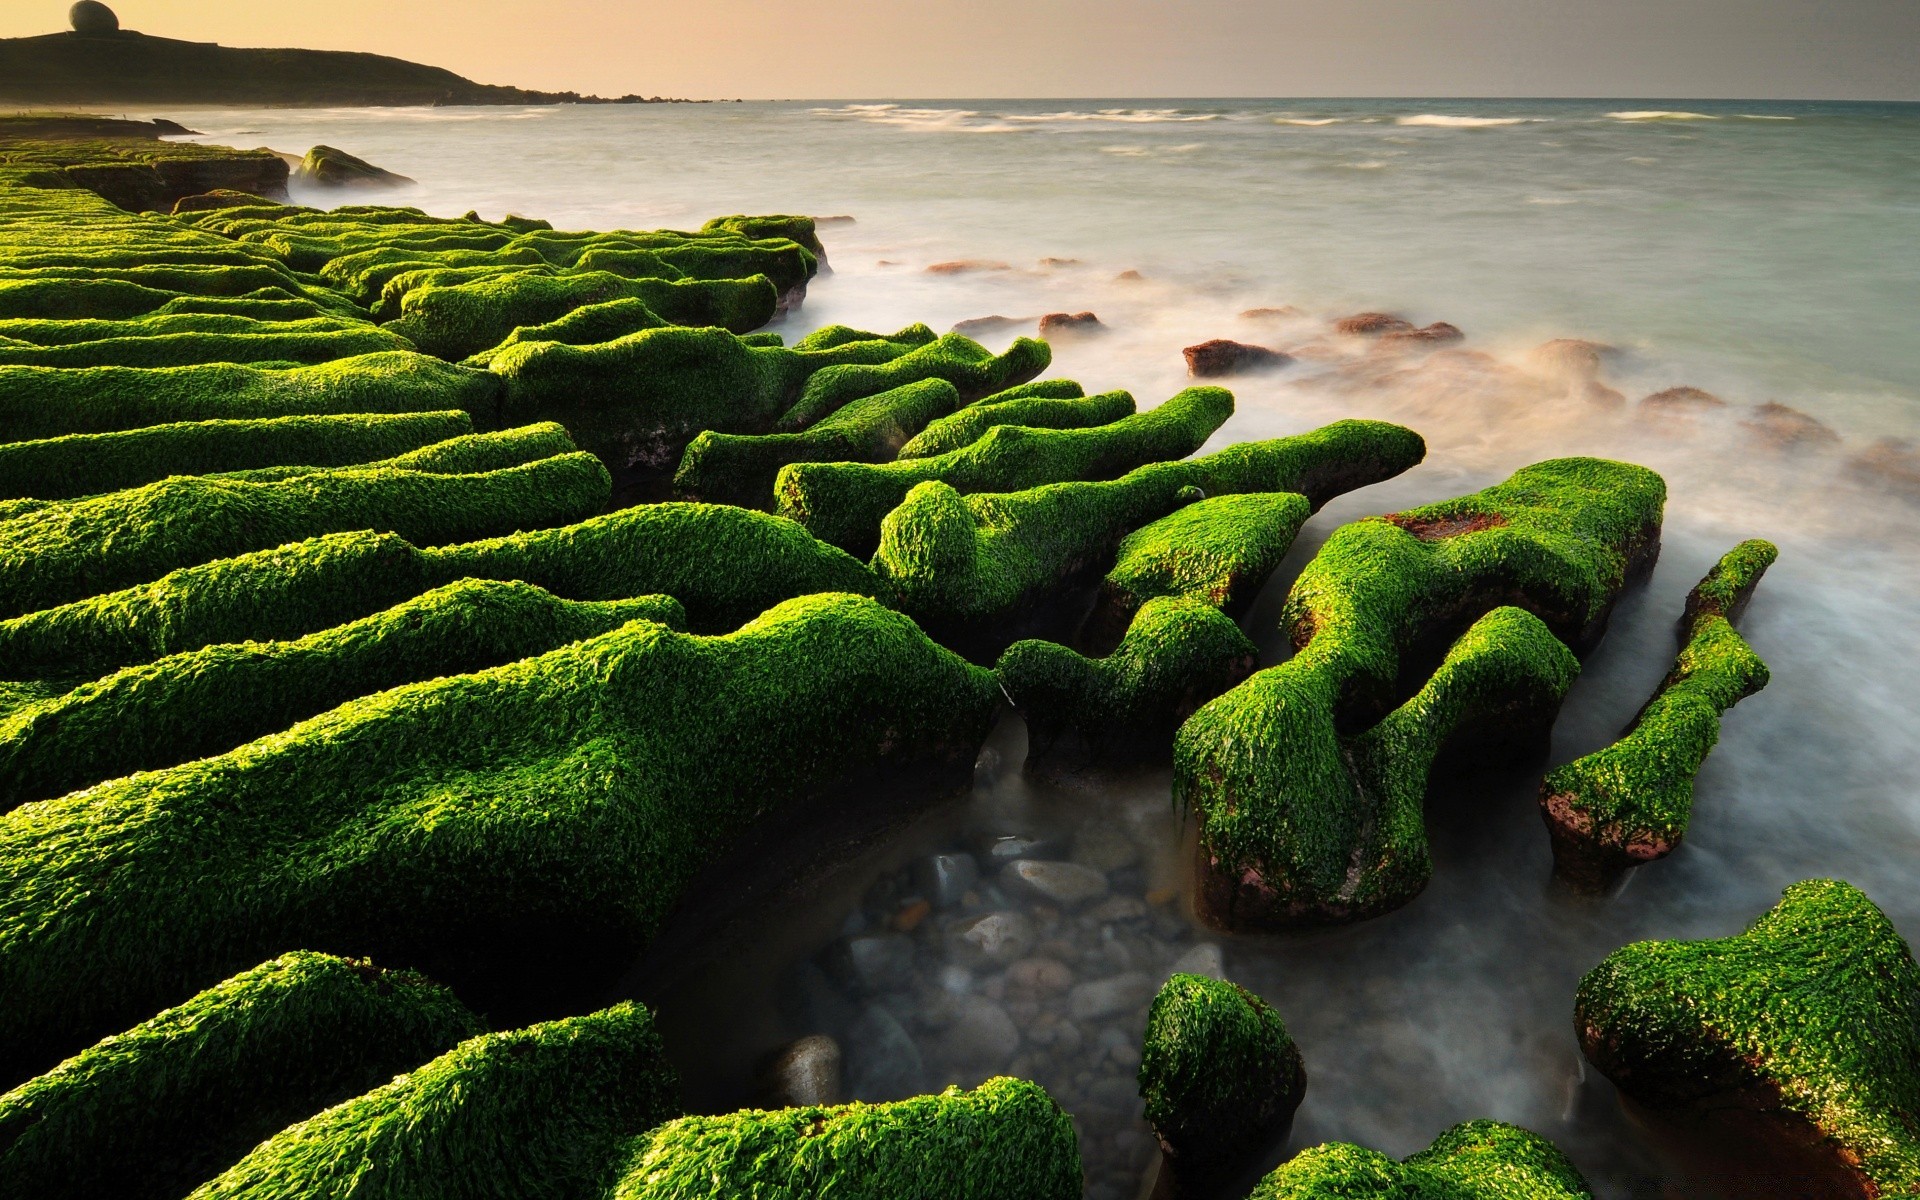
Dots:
(123, 67)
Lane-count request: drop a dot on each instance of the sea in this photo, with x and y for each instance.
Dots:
(1764, 253)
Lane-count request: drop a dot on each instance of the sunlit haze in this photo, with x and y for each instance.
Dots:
(1808, 49)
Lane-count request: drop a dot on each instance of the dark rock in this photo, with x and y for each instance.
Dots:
(1223, 357)
(93, 19)
(1078, 324)
(944, 878)
(806, 1073)
(1067, 884)
(325, 166)
(1368, 324)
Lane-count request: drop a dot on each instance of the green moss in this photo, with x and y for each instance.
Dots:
(844, 503)
(637, 400)
(69, 333)
(1220, 550)
(465, 319)
(1811, 1017)
(584, 326)
(1263, 765)
(829, 336)
(86, 464)
(467, 454)
(149, 1113)
(81, 548)
(457, 824)
(46, 402)
(188, 349)
(1630, 803)
(539, 1113)
(1221, 1078)
(208, 701)
(1478, 1160)
(725, 564)
(1044, 404)
(733, 468)
(964, 363)
(1005, 1140)
(978, 571)
(1178, 654)
(792, 228)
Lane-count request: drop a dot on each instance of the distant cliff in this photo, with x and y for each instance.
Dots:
(123, 67)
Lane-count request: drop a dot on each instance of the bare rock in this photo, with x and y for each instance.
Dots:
(1203, 959)
(1220, 356)
(1371, 324)
(1060, 324)
(875, 962)
(966, 266)
(994, 324)
(1437, 334)
(1682, 402)
(1570, 360)
(807, 1073)
(1889, 462)
(93, 19)
(887, 1064)
(945, 878)
(1276, 313)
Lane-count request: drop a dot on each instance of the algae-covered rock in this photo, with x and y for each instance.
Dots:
(967, 365)
(1043, 404)
(207, 701)
(79, 548)
(1809, 1023)
(1005, 1140)
(1221, 1079)
(844, 503)
(1630, 803)
(1220, 550)
(149, 1113)
(325, 166)
(542, 1113)
(1478, 1160)
(529, 825)
(1289, 834)
(1179, 653)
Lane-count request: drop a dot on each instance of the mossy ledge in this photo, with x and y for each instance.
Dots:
(1478, 1160)
(1284, 820)
(1807, 1024)
(1630, 803)
(149, 1113)
(514, 828)
(1005, 1140)
(1221, 1079)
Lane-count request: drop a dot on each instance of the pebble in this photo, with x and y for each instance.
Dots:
(908, 919)
(1066, 884)
(997, 938)
(945, 879)
(876, 962)
(807, 1073)
(982, 1038)
(956, 980)
(1101, 847)
(1116, 909)
(1043, 975)
(1110, 997)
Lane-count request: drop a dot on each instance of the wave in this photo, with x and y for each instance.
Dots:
(1443, 121)
(1659, 114)
(1306, 120)
(953, 120)
(1370, 165)
(1124, 116)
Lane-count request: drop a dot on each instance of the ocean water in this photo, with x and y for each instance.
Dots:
(1763, 252)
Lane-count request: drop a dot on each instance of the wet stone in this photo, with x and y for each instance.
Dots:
(1042, 975)
(1110, 997)
(945, 879)
(982, 1037)
(996, 939)
(806, 1073)
(886, 1064)
(1102, 847)
(1066, 884)
(875, 962)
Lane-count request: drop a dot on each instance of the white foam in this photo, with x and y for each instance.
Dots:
(1443, 121)
(1660, 114)
(1122, 116)
(1306, 121)
(1372, 164)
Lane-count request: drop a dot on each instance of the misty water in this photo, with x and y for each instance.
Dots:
(1762, 252)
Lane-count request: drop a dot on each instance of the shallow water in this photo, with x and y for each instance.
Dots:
(1765, 252)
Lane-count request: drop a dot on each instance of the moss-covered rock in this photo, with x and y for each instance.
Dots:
(208, 701)
(844, 503)
(325, 166)
(1478, 1160)
(541, 1113)
(731, 468)
(1221, 1079)
(1042, 404)
(87, 464)
(1220, 550)
(149, 1113)
(1629, 803)
(531, 824)
(1809, 1022)
(1005, 1140)
(266, 343)
(47, 402)
(1179, 653)
(979, 571)
(79, 548)
(972, 369)
(1284, 821)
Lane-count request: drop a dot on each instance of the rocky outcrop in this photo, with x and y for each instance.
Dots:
(327, 167)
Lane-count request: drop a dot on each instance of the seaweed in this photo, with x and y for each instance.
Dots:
(1477, 1160)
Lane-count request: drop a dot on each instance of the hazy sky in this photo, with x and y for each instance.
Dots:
(890, 48)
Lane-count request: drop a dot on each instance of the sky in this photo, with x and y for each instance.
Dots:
(892, 49)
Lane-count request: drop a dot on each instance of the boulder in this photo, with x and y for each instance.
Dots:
(325, 166)
(1110, 997)
(1276, 313)
(93, 19)
(1478, 1160)
(982, 1037)
(1060, 324)
(1681, 402)
(1223, 357)
(875, 962)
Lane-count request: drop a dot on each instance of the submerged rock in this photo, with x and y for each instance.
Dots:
(995, 939)
(982, 1036)
(1223, 357)
(1067, 884)
(885, 1061)
(875, 962)
(1889, 462)
(325, 166)
(1101, 998)
(973, 326)
(944, 879)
